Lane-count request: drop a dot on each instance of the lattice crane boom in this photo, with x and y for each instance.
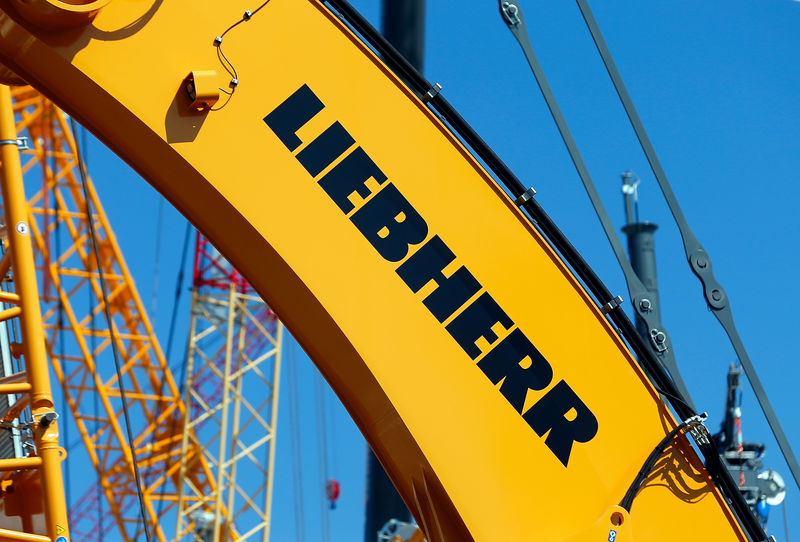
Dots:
(79, 340)
(233, 371)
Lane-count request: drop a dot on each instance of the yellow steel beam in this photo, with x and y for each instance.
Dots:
(44, 427)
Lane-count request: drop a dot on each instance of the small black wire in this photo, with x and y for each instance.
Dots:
(785, 521)
(170, 337)
(226, 63)
(178, 290)
(112, 335)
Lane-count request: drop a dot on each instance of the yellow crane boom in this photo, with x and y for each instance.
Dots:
(437, 310)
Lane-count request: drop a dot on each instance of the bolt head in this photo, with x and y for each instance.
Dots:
(716, 295)
(22, 228)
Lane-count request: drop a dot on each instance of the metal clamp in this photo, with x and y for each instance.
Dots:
(22, 143)
(432, 93)
(510, 12)
(611, 305)
(525, 197)
(659, 339)
(698, 429)
(46, 419)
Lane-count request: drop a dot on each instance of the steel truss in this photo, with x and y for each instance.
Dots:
(233, 371)
(79, 342)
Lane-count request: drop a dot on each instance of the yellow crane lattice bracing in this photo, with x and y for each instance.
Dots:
(79, 341)
(233, 371)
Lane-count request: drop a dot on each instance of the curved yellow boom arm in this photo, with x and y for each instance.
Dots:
(499, 399)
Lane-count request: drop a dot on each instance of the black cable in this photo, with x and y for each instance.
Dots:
(170, 337)
(101, 529)
(227, 64)
(785, 521)
(296, 446)
(652, 459)
(112, 335)
(178, 290)
(181, 389)
(96, 406)
(157, 262)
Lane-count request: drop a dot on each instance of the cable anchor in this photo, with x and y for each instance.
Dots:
(432, 93)
(22, 143)
(611, 305)
(525, 197)
(659, 339)
(510, 12)
(46, 419)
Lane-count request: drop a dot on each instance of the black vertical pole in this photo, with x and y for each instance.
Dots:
(403, 23)
(642, 252)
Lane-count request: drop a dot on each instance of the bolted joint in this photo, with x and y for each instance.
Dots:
(47, 419)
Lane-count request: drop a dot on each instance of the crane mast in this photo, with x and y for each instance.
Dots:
(78, 340)
(231, 397)
(32, 484)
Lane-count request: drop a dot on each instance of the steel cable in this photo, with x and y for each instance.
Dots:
(112, 334)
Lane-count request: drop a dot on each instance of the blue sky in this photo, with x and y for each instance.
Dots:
(716, 84)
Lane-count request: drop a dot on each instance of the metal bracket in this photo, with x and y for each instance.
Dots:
(510, 12)
(611, 305)
(525, 197)
(46, 419)
(659, 339)
(432, 93)
(698, 429)
(22, 143)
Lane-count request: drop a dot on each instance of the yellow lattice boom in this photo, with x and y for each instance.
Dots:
(233, 372)
(79, 341)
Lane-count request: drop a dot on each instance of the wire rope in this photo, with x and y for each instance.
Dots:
(332, 402)
(157, 262)
(294, 431)
(785, 521)
(178, 291)
(112, 336)
(170, 337)
(322, 455)
(96, 407)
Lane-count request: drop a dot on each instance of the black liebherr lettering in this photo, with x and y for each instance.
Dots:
(390, 223)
